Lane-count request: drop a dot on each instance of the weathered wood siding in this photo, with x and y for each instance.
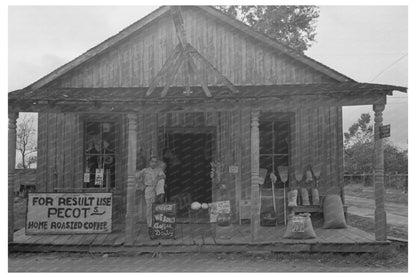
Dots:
(316, 137)
(60, 152)
(243, 60)
(60, 157)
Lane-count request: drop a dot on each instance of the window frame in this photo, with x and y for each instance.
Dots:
(100, 118)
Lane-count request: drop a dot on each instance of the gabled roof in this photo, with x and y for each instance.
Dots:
(145, 21)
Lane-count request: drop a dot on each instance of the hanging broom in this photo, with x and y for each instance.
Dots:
(283, 173)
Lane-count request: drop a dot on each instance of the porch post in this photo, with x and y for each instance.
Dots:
(12, 163)
(380, 213)
(255, 165)
(131, 210)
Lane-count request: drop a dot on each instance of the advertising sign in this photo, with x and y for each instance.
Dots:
(164, 220)
(218, 208)
(69, 213)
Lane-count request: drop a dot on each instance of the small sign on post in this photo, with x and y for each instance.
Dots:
(384, 131)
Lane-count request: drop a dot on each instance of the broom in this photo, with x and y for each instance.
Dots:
(283, 173)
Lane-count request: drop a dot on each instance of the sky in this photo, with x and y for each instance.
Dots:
(366, 43)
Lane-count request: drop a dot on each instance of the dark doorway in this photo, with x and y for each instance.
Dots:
(188, 156)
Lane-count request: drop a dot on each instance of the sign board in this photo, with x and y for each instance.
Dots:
(298, 225)
(384, 131)
(69, 213)
(99, 176)
(164, 220)
(217, 208)
(233, 169)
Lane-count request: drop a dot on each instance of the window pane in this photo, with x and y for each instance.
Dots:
(100, 143)
(265, 137)
(281, 137)
(108, 137)
(93, 138)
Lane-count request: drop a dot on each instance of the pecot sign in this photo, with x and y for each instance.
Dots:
(68, 213)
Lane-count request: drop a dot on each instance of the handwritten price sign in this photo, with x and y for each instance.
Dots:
(164, 220)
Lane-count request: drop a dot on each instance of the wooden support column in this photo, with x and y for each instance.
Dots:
(255, 165)
(12, 163)
(380, 213)
(131, 208)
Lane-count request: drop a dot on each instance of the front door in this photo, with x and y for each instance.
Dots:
(188, 156)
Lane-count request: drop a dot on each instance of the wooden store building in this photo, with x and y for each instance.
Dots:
(222, 105)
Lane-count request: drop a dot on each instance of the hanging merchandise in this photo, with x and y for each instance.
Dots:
(284, 174)
(87, 175)
(99, 176)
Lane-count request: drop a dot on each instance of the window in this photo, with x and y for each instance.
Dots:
(274, 147)
(99, 155)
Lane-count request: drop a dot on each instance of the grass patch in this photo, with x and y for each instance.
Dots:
(393, 195)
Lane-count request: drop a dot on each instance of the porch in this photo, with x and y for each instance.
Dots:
(202, 238)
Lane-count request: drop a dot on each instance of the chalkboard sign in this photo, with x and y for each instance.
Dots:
(164, 220)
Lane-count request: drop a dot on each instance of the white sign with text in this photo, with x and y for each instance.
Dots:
(69, 213)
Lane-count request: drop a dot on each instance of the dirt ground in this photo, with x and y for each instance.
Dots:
(263, 262)
(361, 206)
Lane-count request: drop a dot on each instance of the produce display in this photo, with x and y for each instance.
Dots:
(195, 205)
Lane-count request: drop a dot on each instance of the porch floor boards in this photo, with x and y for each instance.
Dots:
(199, 234)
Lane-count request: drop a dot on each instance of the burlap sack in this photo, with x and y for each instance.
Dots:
(315, 197)
(300, 227)
(305, 197)
(333, 213)
(292, 196)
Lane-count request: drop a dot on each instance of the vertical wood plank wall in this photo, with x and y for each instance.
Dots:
(60, 152)
(316, 137)
(243, 60)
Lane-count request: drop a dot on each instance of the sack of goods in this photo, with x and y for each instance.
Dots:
(300, 227)
(333, 209)
(305, 197)
(315, 197)
(292, 198)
